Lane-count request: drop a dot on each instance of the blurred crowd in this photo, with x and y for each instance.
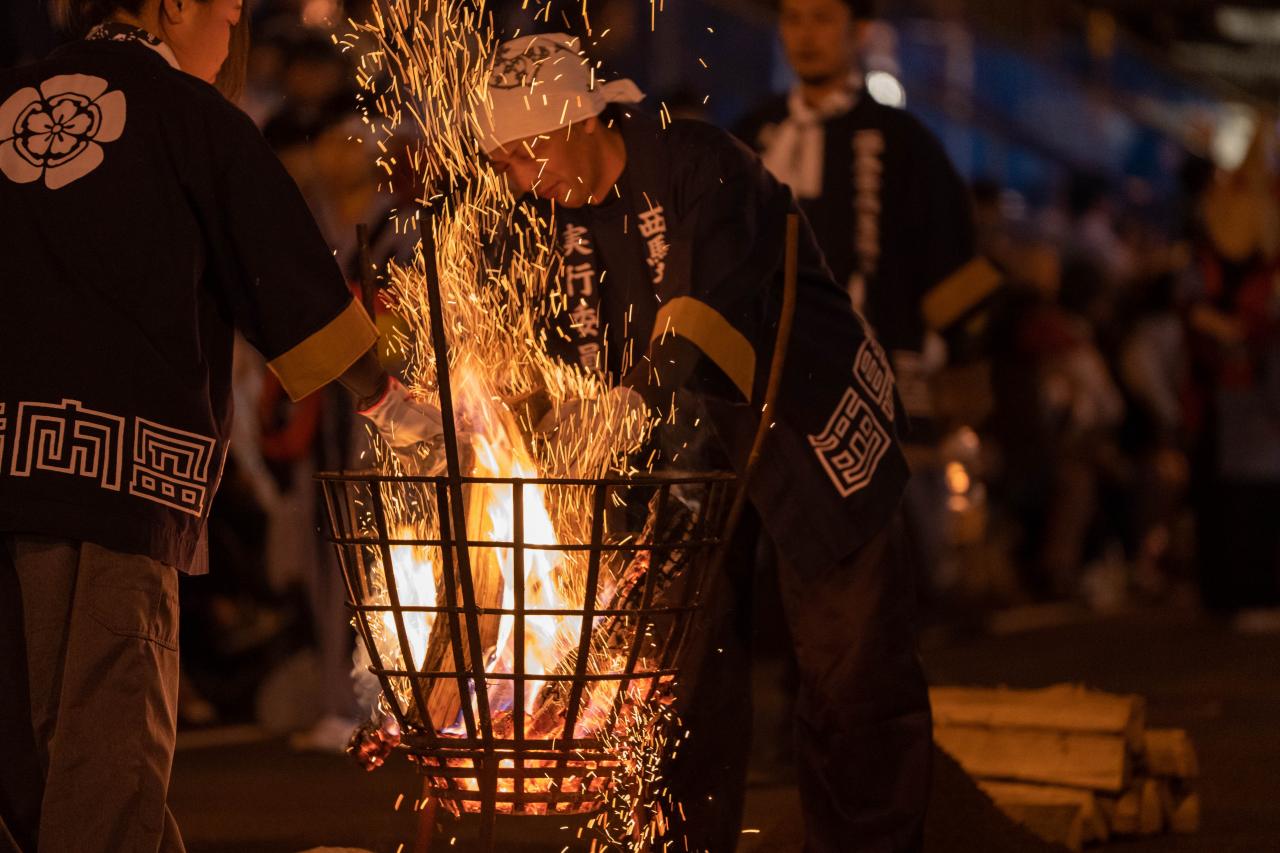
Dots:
(1116, 442)
(1132, 441)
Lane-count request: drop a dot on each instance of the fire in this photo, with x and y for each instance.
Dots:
(552, 578)
(546, 637)
(422, 70)
(414, 576)
(416, 584)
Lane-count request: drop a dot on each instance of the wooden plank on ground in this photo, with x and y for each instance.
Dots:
(1060, 823)
(1062, 707)
(1170, 753)
(1098, 762)
(1124, 815)
(1151, 810)
(1138, 811)
(1185, 819)
(1093, 824)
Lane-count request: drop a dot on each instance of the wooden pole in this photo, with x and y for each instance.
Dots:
(692, 660)
(458, 514)
(774, 385)
(368, 281)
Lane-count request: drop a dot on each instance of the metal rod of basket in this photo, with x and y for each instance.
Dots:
(588, 618)
(557, 762)
(518, 662)
(352, 575)
(440, 346)
(452, 596)
(644, 625)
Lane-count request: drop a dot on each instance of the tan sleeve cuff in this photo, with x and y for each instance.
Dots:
(326, 354)
(959, 292)
(708, 330)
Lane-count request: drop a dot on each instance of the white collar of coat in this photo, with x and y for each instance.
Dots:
(833, 103)
(794, 153)
(120, 31)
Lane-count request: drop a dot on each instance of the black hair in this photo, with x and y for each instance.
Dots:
(862, 9)
(79, 16)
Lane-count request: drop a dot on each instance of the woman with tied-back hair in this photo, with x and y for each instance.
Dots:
(142, 220)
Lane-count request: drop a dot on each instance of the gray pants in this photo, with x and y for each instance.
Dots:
(89, 668)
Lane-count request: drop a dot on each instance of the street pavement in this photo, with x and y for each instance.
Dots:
(236, 791)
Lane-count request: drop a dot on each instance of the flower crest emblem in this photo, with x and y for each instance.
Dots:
(56, 132)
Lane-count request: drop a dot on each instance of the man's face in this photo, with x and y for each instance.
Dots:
(819, 37)
(556, 165)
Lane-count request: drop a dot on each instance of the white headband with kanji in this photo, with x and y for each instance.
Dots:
(540, 84)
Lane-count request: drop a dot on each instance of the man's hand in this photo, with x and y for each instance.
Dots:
(403, 421)
(371, 745)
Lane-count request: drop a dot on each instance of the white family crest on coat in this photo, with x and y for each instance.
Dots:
(55, 133)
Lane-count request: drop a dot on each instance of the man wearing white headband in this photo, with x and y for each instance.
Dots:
(689, 228)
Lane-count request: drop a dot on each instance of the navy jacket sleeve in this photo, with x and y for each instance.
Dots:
(949, 279)
(269, 262)
(725, 254)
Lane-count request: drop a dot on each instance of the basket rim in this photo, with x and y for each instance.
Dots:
(373, 475)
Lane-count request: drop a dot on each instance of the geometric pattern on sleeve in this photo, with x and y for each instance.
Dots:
(872, 370)
(851, 445)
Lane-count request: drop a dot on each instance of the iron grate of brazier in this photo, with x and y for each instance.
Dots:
(645, 560)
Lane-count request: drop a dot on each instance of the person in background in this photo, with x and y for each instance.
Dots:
(891, 216)
(1056, 411)
(1234, 324)
(157, 222)
(1152, 366)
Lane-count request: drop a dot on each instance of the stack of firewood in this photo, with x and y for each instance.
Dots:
(1075, 766)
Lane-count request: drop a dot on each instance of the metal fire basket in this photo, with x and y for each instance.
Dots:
(646, 578)
(646, 575)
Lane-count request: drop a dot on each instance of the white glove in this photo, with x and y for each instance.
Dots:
(403, 421)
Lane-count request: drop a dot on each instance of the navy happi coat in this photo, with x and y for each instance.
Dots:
(691, 244)
(142, 219)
